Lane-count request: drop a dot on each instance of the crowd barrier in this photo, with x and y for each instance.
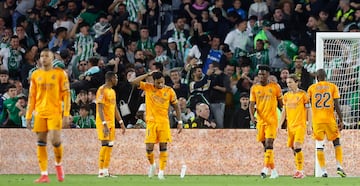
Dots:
(205, 152)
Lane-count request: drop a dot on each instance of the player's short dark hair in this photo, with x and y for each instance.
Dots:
(109, 75)
(157, 75)
(159, 66)
(264, 67)
(321, 74)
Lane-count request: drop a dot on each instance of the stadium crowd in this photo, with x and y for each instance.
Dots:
(208, 50)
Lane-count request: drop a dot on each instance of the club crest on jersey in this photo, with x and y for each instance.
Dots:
(53, 77)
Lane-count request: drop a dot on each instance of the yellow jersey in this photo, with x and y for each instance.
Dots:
(157, 102)
(295, 104)
(49, 94)
(266, 100)
(107, 97)
(322, 95)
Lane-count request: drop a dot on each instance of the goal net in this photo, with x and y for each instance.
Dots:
(338, 53)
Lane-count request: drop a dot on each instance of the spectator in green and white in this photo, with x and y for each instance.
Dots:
(11, 57)
(259, 57)
(10, 117)
(84, 42)
(136, 9)
(84, 119)
(310, 63)
(145, 43)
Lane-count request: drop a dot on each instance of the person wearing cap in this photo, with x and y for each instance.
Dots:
(238, 40)
(242, 114)
(175, 57)
(267, 97)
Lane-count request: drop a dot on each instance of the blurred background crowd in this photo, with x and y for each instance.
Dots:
(207, 49)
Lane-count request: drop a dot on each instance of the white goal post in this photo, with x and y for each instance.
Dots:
(338, 53)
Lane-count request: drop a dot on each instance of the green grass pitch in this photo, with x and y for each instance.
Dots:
(129, 180)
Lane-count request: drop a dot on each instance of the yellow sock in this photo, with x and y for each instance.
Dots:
(102, 156)
(150, 157)
(268, 158)
(163, 158)
(299, 160)
(339, 154)
(321, 158)
(58, 152)
(42, 157)
(107, 157)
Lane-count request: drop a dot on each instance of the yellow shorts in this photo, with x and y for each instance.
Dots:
(101, 136)
(157, 134)
(330, 130)
(266, 131)
(296, 135)
(46, 124)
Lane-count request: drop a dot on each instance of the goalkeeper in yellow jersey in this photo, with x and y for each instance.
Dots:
(324, 98)
(296, 110)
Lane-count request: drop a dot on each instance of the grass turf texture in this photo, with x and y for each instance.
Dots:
(143, 180)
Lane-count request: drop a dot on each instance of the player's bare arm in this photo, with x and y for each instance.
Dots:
(252, 112)
(282, 118)
(338, 112)
(178, 117)
(121, 121)
(308, 119)
(136, 81)
(102, 117)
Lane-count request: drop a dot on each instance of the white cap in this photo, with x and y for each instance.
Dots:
(171, 40)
